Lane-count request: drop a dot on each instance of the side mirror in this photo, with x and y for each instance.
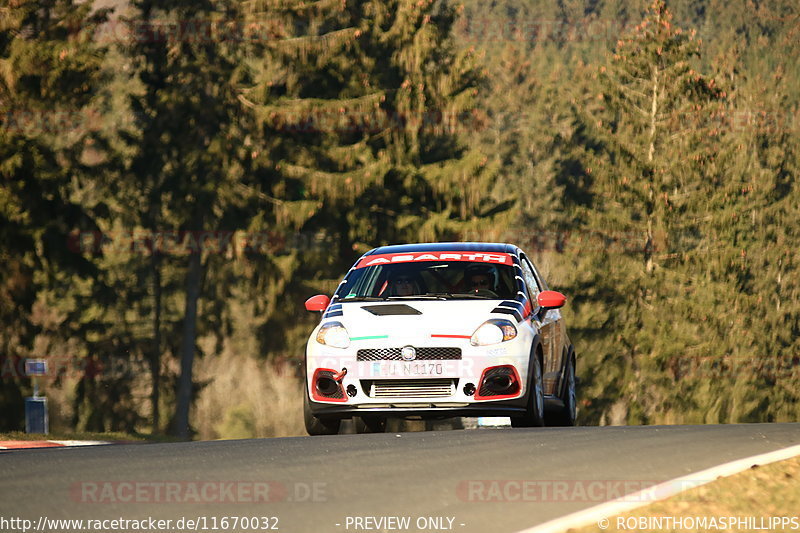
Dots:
(551, 299)
(319, 302)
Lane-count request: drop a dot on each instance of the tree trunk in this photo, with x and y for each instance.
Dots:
(650, 153)
(651, 150)
(155, 355)
(188, 343)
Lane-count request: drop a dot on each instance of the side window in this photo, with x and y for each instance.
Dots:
(530, 281)
(542, 283)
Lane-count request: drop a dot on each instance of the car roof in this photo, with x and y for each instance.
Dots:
(491, 247)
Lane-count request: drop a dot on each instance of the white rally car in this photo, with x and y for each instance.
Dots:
(439, 330)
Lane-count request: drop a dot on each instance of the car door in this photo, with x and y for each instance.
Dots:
(549, 324)
(560, 340)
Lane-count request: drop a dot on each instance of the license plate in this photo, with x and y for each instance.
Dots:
(398, 369)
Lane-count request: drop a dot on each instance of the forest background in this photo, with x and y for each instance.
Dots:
(177, 177)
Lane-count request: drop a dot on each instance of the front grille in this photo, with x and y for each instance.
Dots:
(412, 388)
(423, 354)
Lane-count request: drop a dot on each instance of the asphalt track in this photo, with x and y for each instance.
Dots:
(317, 483)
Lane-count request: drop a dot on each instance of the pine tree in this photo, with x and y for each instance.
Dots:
(366, 98)
(647, 158)
(362, 107)
(190, 143)
(49, 77)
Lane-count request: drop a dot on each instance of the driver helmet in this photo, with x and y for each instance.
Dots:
(480, 277)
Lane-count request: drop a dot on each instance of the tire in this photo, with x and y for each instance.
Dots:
(318, 426)
(370, 424)
(534, 416)
(566, 415)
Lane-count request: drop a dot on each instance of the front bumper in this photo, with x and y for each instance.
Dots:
(447, 384)
(446, 377)
(422, 409)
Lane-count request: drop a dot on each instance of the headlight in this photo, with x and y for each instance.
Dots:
(333, 334)
(493, 331)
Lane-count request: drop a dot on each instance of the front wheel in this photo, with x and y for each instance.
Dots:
(318, 426)
(565, 416)
(534, 415)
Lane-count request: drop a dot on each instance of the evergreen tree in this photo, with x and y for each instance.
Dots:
(189, 154)
(652, 172)
(647, 160)
(362, 106)
(49, 77)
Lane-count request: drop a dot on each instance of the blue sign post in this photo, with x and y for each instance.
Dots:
(36, 419)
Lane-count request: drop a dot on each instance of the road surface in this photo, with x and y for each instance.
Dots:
(480, 480)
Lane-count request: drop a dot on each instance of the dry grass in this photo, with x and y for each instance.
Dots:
(760, 492)
(246, 397)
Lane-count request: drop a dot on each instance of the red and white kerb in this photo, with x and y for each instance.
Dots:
(479, 257)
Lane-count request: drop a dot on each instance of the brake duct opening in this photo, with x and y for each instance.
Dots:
(327, 385)
(498, 382)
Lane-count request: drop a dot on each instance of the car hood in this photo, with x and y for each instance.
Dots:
(413, 321)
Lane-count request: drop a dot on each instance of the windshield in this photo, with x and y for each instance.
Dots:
(429, 280)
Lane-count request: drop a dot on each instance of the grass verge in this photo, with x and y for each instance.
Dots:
(760, 492)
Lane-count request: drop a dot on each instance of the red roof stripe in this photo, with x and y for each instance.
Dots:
(412, 257)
